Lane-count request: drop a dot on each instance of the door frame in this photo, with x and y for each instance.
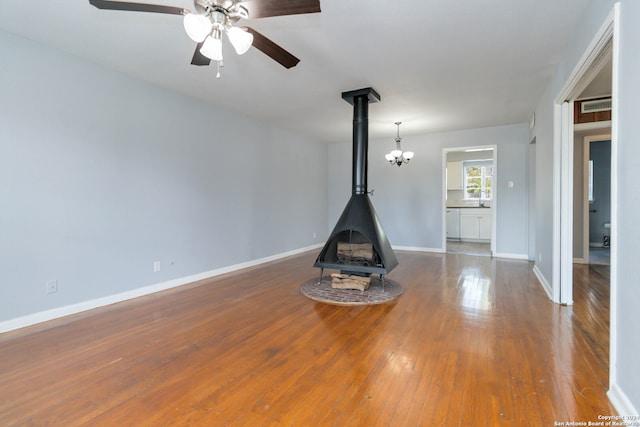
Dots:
(606, 39)
(593, 60)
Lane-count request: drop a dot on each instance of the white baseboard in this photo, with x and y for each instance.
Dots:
(419, 249)
(511, 256)
(596, 245)
(442, 251)
(543, 281)
(56, 313)
(621, 402)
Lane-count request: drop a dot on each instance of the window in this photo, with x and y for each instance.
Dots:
(478, 180)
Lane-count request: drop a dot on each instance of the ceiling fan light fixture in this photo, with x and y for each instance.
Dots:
(213, 17)
(240, 39)
(198, 27)
(242, 12)
(212, 48)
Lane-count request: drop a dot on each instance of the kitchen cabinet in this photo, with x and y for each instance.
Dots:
(453, 223)
(484, 223)
(475, 224)
(454, 176)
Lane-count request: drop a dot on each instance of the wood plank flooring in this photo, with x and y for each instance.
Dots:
(473, 341)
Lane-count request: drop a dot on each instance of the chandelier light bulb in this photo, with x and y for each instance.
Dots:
(240, 39)
(198, 27)
(408, 155)
(396, 153)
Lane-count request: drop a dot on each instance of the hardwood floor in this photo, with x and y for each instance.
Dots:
(469, 248)
(473, 341)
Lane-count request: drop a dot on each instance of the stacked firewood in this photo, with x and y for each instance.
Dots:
(355, 253)
(349, 281)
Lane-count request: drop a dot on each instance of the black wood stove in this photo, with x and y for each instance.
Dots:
(359, 224)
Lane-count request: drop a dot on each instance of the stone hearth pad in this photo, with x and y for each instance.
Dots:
(323, 292)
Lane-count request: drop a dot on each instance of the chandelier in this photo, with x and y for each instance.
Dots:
(207, 30)
(397, 157)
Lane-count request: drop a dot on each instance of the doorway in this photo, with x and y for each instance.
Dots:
(592, 196)
(596, 62)
(469, 200)
(598, 200)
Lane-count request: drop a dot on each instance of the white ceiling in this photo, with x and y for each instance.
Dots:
(438, 64)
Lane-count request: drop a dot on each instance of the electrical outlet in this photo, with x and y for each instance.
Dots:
(51, 286)
(156, 266)
(314, 234)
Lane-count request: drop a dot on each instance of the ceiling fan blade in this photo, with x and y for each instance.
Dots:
(267, 8)
(198, 58)
(272, 50)
(138, 7)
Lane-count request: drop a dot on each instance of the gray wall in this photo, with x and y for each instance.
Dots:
(625, 369)
(531, 198)
(101, 175)
(627, 296)
(409, 199)
(542, 210)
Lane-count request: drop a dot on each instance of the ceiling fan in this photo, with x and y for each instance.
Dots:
(215, 17)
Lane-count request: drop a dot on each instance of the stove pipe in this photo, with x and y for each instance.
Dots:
(360, 102)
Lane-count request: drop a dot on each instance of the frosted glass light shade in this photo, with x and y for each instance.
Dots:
(389, 157)
(240, 39)
(396, 153)
(408, 155)
(212, 48)
(198, 27)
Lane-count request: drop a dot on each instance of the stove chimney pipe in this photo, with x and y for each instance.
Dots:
(360, 100)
